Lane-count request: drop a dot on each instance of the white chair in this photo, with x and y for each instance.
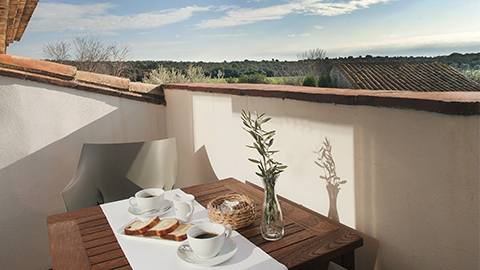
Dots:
(334, 266)
(110, 172)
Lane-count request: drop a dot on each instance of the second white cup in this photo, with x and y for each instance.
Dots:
(147, 200)
(207, 239)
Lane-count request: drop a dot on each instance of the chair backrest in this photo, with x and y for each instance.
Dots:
(110, 172)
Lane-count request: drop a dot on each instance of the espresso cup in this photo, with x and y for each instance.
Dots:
(183, 204)
(207, 239)
(147, 200)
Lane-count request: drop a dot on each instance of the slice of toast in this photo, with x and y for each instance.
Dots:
(163, 227)
(140, 227)
(179, 234)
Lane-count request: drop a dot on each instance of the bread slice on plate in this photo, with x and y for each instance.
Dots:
(140, 227)
(179, 234)
(165, 226)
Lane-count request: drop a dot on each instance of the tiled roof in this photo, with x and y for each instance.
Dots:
(69, 76)
(404, 75)
(14, 18)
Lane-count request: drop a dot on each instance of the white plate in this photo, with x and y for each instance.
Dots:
(228, 250)
(120, 231)
(166, 205)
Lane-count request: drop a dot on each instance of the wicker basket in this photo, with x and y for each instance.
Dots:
(241, 216)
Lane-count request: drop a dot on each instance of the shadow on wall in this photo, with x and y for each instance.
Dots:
(325, 161)
(204, 167)
(30, 187)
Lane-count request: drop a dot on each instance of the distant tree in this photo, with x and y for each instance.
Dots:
(253, 78)
(119, 54)
(309, 80)
(90, 54)
(325, 81)
(313, 54)
(57, 51)
(172, 75)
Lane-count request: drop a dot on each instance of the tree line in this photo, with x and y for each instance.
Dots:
(89, 54)
(467, 64)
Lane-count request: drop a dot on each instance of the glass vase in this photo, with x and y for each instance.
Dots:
(272, 218)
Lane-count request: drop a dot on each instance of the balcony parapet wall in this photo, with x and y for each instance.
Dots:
(68, 76)
(452, 103)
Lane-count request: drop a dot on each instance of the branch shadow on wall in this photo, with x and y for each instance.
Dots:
(333, 182)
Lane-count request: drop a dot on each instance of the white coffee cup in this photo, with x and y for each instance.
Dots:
(183, 204)
(147, 200)
(207, 239)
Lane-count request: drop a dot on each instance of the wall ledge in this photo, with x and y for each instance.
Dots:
(68, 76)
(452, 103)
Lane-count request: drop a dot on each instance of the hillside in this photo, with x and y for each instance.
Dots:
(467, 64)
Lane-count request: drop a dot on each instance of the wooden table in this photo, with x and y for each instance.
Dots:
(84, 239)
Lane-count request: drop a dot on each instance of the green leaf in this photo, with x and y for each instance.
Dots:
(253, 160)
(263, 140)
(270, 143)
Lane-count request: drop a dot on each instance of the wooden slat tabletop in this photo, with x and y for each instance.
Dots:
(83, 239)
(311, 240)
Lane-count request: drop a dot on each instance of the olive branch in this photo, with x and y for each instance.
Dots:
(263, 140)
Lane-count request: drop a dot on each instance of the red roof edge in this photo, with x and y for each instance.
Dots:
(68, 76)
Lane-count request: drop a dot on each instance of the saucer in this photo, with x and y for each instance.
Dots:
(166, 205)
(228, 250)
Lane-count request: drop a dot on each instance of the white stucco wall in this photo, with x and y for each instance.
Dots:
(412, 177)
(412, 186)
(42, 129)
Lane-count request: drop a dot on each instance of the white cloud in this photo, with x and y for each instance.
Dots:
(318, 27)
(96, 17)
(222, 36)
(242, 16)
(305, 34)
(447, 40)
(292, 35)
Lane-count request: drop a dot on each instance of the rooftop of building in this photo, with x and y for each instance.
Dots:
(406, 75)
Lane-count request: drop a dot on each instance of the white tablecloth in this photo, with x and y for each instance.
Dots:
(162, 254)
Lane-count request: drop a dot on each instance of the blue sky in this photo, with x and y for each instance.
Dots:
(215, 30)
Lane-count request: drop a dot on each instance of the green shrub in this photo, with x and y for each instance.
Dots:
(293, 80)
(309, 80)
(231, 80)
(325, 81)
(253, 78)
(472, 74)
(163, 76)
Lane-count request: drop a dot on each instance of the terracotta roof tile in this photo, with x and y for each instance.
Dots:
(103, 80)
(14, 18)
(38, 66)
(68, 76)
(403, 75)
